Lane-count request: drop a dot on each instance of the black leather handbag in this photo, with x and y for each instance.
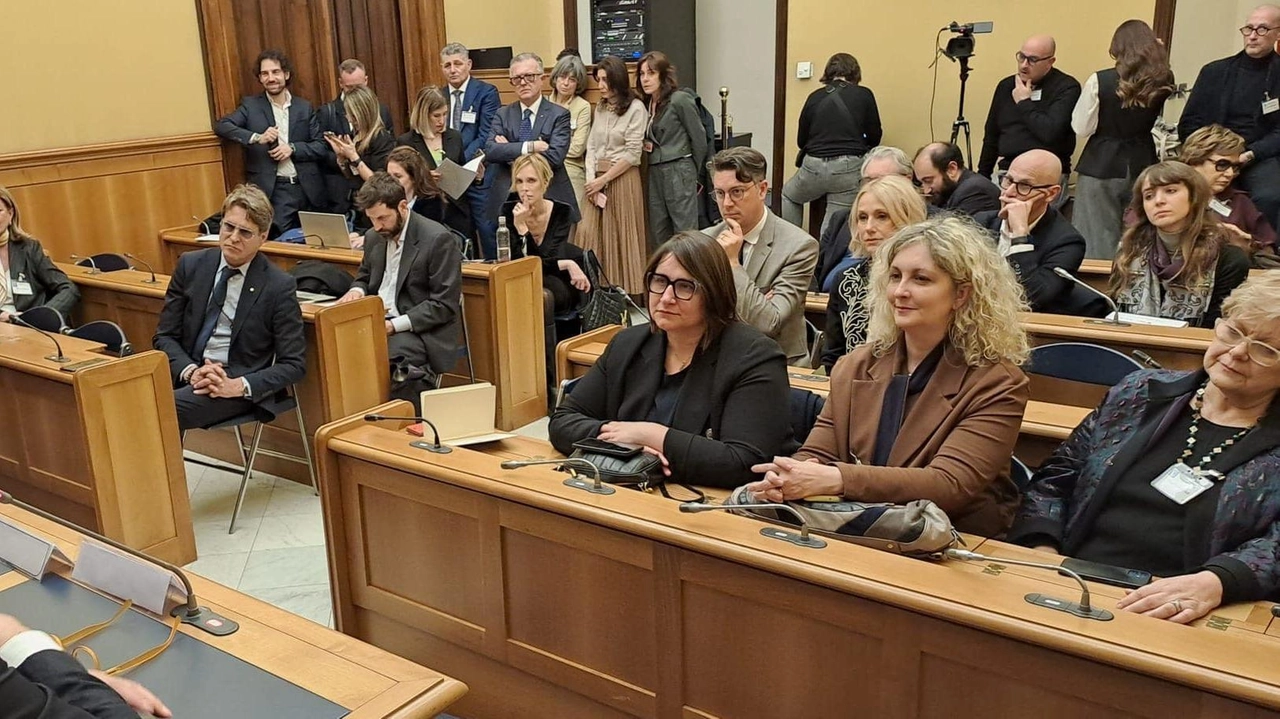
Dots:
(642, 471)
(607, 304)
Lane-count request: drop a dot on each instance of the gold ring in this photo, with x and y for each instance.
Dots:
(1177, 606)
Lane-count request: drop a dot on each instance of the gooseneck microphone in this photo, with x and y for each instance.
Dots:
(575, 481)
(192, 613)
(93, 266)
(59, 358)
(802, 539)
(145, 264)
(1112, 319)
(416, 444)
(1083, 609)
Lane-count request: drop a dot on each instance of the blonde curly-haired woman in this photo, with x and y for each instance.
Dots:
(930, 407)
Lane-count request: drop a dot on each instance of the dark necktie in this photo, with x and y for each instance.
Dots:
(455, 118)
(526, 127)
(212, 311)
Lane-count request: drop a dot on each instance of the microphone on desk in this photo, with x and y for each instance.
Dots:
(417, 444)
(93, 266)
(192, 613)
(1146, 359)
(145, 264)
(802, 539)
(1083, 609)
(59, 358)
(574, 481)
(1112, 319)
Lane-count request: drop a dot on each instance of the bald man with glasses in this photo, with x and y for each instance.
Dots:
(1242, 93)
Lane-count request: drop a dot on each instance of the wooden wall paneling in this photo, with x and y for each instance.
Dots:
(422, 36)
(1163, 21)
(370, 31)
(221, 56)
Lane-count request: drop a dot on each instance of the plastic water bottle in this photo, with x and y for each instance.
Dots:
(504, 241)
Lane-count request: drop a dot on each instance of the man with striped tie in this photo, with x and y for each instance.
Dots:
(530, 124)
(231, 324)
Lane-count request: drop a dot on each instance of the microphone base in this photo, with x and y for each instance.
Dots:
(587, 485)
(1074, 608)
(207, 620)
(152, 281)
(811, 542)
(441, 449)
(60, 359)
(1108, 323)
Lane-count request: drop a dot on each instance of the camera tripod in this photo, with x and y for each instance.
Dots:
(961, 123)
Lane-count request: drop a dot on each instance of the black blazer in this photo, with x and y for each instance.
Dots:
(452, 213)
(429, 285)
(268, 347)
(731, 412)
(1055, 243)
(1210, 100)
(551, 125)
(254, 116)
(832, 247)
(53, 685)
(450, 142)
(973, 194)
(555, 242)
(49, 285)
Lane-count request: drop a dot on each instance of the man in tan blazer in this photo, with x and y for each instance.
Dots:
(772, 259)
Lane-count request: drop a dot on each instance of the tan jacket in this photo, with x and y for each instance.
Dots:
(954, 446)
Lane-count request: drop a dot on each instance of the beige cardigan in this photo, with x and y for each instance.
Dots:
(616, 137)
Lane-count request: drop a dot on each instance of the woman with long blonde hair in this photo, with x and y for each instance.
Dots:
(930, 407)
(366, 152)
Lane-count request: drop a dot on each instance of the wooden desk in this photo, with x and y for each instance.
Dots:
(371, 683)
(503, 306)
(815, 308)
(1097, 273)
(98, 446)
(1172, 347)
(346, 359)
(549, 601)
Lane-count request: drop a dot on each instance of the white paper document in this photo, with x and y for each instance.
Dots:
(455, 178)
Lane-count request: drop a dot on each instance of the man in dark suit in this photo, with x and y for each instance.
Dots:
(231, 324)
(40, 681)
(530, 124)
(333, 118)
(473, 104)
(1033, 236)
(947, 183)
(415, 266)
(282, 142)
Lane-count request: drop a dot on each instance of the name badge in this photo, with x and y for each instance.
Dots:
(1181, 483)
(1035, 95)
(1219, 207)
(20, 286)
(1270, 106)
(468, 117)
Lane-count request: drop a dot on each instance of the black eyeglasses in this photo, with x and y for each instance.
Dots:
(1224, 165)
(658, 284)
(1030, 59)
(1248, 30)
(525, 79)
(1023, 189)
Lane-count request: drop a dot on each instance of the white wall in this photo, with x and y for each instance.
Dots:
(736, 50)
(1203, 30)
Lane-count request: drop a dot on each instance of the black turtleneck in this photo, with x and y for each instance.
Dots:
(1247, 95)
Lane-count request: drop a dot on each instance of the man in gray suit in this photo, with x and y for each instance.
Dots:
(772, 259)
(415, 266)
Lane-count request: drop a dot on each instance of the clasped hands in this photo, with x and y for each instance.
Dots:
(790, 479)
(211, 379)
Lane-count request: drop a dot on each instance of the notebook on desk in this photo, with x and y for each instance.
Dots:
(463, 415)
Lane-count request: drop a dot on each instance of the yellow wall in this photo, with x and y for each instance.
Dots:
(82, 72)
(537, 27)
(894, 43)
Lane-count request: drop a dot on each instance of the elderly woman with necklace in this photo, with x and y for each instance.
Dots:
(1178, 473)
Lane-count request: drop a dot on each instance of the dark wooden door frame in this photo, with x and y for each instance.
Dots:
(1162, 23)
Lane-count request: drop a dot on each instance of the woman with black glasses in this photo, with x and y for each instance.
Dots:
(703, 391)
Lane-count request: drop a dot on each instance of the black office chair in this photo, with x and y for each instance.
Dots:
(805, 408)
(566, 386)
(106, 262)
(45, 318)
(1081, 362)
(106, 332)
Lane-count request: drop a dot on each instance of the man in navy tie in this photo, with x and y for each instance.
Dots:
(530, 124)
(231, 324)
(473, 103)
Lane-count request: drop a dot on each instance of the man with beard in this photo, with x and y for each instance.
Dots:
(282, 142)
(415, 266)
(948, 184)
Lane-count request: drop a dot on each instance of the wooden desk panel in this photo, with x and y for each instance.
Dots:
(1173, 347)
(371, 683)
(578, 605)
(503, 307)
(1097, 273)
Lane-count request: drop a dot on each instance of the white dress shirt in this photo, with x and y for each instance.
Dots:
(219, 346)
(24, 645)
(1084, 118)
(284, 168)
(751, 237)
(462, 93)
(390, 275)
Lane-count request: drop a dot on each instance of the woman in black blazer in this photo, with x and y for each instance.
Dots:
(366, 153)
(428, 135)
(696, 387)
(30, 279)
(425, 198)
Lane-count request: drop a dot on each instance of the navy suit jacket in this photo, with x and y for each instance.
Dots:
(482, 99)
(254, 116)
(268, 347)
(551, 125)
(53, 685)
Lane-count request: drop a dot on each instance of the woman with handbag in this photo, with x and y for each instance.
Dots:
(931, 406)
(697, 389)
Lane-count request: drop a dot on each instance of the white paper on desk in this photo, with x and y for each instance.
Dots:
(1147, 320)
(455, 178)
(26, 552)
(124, 576)
(208, 238)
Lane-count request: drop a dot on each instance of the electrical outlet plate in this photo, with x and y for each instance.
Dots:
(804, 70)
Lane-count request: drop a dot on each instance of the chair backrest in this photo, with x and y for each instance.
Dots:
(110, 262)
(1081, 362)
(106, 332)
(1020, 473)
(464, 242)
(805, 408)
(566, 386)
(45, 318)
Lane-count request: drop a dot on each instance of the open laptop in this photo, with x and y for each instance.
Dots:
(321, 229)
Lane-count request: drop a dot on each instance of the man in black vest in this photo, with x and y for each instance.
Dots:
(1242, 93)
(948, 184)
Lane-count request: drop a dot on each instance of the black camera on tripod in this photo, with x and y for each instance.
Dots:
(961, 46)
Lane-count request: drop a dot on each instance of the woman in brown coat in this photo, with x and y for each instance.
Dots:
(931, 406)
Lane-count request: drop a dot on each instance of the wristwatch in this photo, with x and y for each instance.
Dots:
(245, 393)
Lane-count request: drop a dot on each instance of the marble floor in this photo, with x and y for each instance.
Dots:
(277, 553)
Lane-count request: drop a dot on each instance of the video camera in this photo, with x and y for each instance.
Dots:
(961, 46)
